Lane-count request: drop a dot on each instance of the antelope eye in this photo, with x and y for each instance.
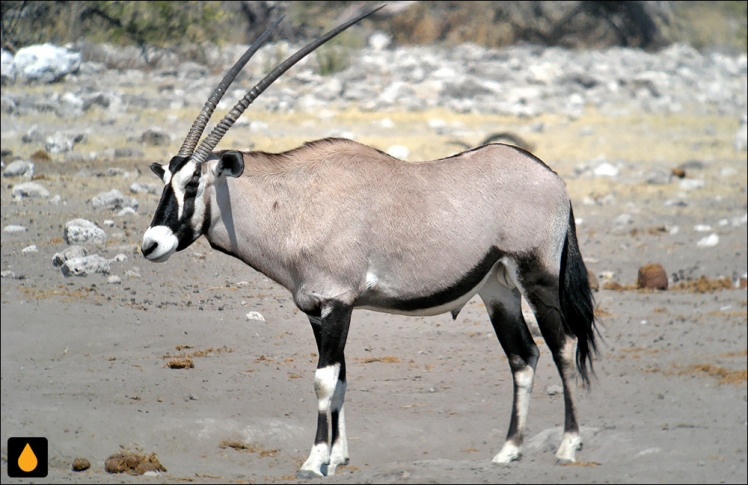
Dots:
(194, 181)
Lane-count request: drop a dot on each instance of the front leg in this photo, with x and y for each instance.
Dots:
(330, 332)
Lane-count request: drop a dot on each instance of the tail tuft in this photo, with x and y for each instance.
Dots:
(576, 301)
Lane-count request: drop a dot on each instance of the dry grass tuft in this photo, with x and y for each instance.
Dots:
(238, 445)
(387, 359)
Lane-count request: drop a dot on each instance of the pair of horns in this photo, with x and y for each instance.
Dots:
(210, 141)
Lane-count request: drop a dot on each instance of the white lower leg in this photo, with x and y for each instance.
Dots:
(339, 452)
(512, 449)
(570, 443)
(325, 381)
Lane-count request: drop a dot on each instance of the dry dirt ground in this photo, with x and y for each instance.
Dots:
(85, 363)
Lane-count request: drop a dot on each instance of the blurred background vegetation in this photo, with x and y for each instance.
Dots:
(574, 24)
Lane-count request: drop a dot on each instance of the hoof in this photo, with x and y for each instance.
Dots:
(565, 461)
(509, 453)
(307, 474)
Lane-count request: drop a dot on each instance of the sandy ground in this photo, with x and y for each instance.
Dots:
(84, 362)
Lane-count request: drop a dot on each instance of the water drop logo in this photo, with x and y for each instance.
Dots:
(27, 457)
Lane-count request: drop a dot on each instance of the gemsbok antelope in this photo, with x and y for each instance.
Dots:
(342, 225)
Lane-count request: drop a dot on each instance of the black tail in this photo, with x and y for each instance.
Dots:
(577, 303)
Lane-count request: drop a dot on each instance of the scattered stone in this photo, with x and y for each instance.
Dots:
(255, 316)
(127, 211)
(379, 40)
(554, 390)
(128, 152)
(119, 258)
(12, 228)
(623, 220)
(85, 266)
(19, 168)
(70, 252)
(46, 63)
(113, 200)
(652, 276)
(147, 187)
(741, 136)
(117, 172)
(8, 274)
(606, 169)
(399, 151)
(60, 143)
(155, 137)
(114, 280)
(132, 273)
(31, 190)
(82, 231)
(30, 249)
(659, 176)
(8, 70)
(691, 184)
(81, 464)
(708, 242)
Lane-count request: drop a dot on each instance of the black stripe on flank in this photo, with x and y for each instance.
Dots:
(454, 291)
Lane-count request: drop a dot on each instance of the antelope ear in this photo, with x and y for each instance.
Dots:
(158, 170)
(230, 164)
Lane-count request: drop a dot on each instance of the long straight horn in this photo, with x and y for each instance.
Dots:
(202, 119)
(210, 142)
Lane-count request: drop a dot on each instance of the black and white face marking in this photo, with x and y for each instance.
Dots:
(179, 217)
(182, 211)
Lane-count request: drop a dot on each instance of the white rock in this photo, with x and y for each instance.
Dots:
(702, 228)
(85, 266)
(691, 184)
(741, 136)
(30, 249)
(710, 241)
(606, 169)
(11, 228)
(45, 62)
(30, 189)
(399, 151)
(113, 200)
(70, 252)
(379, 41)
(127, 211)
(19, 168)
(255, 316)
(8, 70)
(81, 231)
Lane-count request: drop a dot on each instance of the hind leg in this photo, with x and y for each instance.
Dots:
(542, 292)
(504, 307)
